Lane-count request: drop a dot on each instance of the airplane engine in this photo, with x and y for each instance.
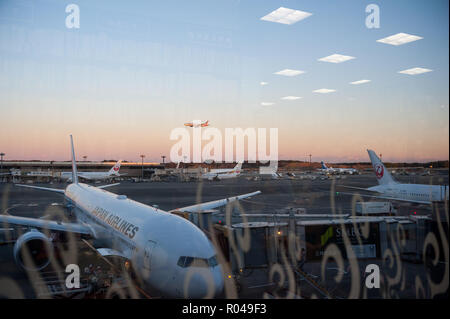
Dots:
(33, 251)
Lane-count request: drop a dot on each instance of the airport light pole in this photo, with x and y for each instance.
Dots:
(142, 156)
(163, 157)
(51, 167)
(1, 161)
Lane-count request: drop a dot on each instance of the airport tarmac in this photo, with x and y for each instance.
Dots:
(313, 195)
(316, 196)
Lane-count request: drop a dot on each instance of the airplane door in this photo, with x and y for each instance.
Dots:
(148, 250)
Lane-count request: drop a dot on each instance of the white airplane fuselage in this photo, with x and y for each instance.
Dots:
(155, 240)
(350, 171)
(221, 175)
(89, 175)
(420, 193)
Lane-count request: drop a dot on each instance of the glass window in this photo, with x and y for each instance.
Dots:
(212, 261)
(181, 261)
(186, 261)
(189, 261)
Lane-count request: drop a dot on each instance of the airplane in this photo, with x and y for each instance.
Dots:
(389, 188)
(350, 171)
(269, 172)
(331, 170)
(113, 172)
(200, 124)
(326, 170)
(167, 252)
(225, 173)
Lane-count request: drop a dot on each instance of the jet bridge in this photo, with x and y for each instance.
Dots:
(254, 248)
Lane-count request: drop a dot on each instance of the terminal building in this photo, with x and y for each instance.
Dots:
(44, 171)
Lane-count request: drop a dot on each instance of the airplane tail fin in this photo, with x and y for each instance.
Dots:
(74, 164)
(238, 167)
(115, 169)
(323, 165)
(382, 174)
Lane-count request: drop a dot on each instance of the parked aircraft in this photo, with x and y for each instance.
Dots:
(113, 172)
(388, 188)
(217, 174)
(330, 170)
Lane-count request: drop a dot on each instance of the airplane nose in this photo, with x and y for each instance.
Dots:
(205, 285)
(218, 280)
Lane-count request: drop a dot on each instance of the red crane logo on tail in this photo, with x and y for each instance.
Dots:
(379, 171)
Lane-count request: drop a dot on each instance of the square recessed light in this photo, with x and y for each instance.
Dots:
(263, 83)
(399, 39)
(415, 71)
(266, 103)
(289, 72)
(360, 82)
(286, 16)
(336, 58)
(324, 91)
(291, 98)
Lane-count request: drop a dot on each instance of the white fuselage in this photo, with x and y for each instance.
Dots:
(350, 171)
(89, 175)
(331, 170)
(419, 193)
(221, 174)
(153, 240)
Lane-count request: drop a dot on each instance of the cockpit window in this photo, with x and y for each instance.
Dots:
(212, 262)
(187, 261)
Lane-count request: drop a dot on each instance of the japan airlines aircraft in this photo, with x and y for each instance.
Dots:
(331, 170)
(113, 172)
(167, 252)
(223, 173)
(388, 188)
(199, 124)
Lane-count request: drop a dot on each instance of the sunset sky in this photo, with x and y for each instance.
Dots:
(135, 70)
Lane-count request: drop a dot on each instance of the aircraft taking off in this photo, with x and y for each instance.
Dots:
(388, 188)
(331, 170)
(217, 174)
(168, 253)
(199, 124)
(113, 172)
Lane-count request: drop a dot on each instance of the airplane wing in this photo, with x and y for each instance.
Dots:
(390, 198)
(108, 185)
(55, 190)
(86, 177)
(358, 188)
(214, 204)
(46, 224)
